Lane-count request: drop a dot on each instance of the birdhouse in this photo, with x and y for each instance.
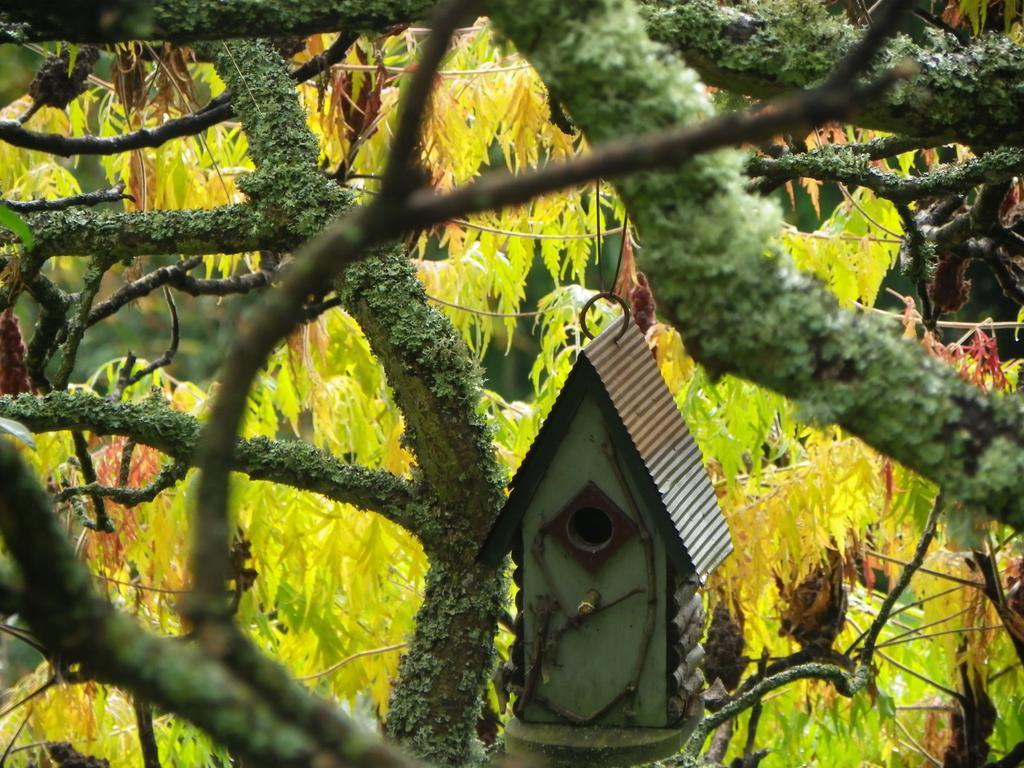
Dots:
(612, 523)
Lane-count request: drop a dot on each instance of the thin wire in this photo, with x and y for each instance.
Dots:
(961, 324)
(819, 235)
(532, 235)
(495, 230)
(242, 78)
(916, 745)
(960, 630)
(442, 73)
(201, 140)
(929, 571)
(597, 238)
(338, 665)
(14, 738)
(486, 313)
(142, 587)
(851, 201)
(929, 625)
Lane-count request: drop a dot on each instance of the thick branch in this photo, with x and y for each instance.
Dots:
(704, 244)
(79, 626)
(434, 706)
(152, 423)
(437, 386)
(188, 20)
(787, 47)
(840, 164)
(228, 229)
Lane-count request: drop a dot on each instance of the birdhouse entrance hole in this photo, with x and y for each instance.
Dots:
(591, 528)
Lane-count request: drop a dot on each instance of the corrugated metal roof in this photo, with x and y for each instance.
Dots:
(631, 377)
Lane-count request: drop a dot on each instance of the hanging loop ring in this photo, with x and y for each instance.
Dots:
(610, 297)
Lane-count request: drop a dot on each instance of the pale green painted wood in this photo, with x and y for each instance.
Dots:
(595, 661)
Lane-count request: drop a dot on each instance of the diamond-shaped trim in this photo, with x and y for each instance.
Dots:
(591, 557)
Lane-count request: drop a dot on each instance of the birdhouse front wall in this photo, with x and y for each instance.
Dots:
(593, 589)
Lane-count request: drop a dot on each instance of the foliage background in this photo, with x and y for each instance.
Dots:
(335, 589)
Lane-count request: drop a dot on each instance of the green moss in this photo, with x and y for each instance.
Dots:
(287, 189)
(848, 165)
(435, 705)
(436, 701)
(784, 45)
(740, 311)
(437, 385)
(293, 463)
(228, 229)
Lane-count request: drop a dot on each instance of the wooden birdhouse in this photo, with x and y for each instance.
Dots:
(612, 524)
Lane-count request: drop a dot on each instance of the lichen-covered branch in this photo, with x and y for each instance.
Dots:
(436, 701)
(286, 189)
(291, 463)
(167, 477)
(841, 164)
(227, 229)
(437, 385)
(442, 678)
(740, 312)
(79, 626)
(845, 682)
(790, 45)
(190, 20)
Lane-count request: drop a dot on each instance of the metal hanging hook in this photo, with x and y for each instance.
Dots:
(610, 297)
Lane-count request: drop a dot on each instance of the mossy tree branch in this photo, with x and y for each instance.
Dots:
(789, 46)
(436, 702)
(79, 626)
(226, 229)
(848, 166)
(437, 387)
(292, 463)
(758, 317)
(786, 46)
(188, 21)
(286, 188)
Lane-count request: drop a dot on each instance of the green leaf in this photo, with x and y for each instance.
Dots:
(18, 430)
(12, 221)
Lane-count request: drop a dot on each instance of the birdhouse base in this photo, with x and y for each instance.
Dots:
(568, 745)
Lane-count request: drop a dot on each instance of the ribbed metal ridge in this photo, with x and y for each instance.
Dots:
(633, 382)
